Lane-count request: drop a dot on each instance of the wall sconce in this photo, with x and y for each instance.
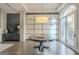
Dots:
(18, 27)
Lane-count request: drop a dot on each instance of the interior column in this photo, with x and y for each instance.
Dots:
(22, 26)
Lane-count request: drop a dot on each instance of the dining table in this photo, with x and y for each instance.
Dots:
(41, 40)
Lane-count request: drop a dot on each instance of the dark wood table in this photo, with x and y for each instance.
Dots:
(40, 40)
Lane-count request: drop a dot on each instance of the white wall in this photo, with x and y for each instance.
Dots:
(3, 22)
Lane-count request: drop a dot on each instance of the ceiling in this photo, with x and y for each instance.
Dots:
(30, 7)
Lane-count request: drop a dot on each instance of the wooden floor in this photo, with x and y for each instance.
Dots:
(26, 48)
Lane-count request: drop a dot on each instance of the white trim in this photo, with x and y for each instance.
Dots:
(61, 7)
(25, 7)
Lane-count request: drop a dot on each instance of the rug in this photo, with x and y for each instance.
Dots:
(5, 46)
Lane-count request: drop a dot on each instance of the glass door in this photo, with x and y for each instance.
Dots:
(68, 26)
(70, 29)
(63, 29)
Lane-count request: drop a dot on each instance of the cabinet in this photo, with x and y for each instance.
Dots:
(11, 37)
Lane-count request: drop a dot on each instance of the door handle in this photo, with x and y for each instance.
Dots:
(74, 35)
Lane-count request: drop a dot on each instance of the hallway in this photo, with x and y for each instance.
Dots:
(26, 48)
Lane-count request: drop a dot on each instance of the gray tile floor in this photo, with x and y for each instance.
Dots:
(26, 48)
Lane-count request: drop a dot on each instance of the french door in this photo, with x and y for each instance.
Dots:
(63, 29)
(71, 30)
(68, 34)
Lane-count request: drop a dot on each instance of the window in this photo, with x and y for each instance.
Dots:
(63, 29)
(70, 29)
(68, 10)
(68, 25)
(49, 28)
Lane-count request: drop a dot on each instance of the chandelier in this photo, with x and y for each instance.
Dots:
(41, 19)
